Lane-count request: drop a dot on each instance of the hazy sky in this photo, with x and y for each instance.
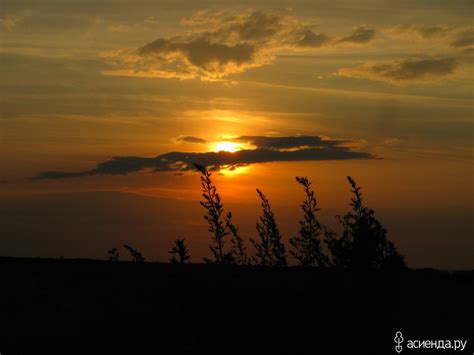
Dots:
(380, 90)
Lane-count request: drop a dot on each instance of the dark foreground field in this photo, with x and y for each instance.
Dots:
(87, 307)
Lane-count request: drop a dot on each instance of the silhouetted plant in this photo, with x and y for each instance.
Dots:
(238, 251)
(179, 252)
(113, 255)
(214, 217)
(363, 244)
(135, 254)
(307, 246)
(270, 251)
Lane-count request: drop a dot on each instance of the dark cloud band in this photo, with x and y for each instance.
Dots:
(269, 149)
(290, 142)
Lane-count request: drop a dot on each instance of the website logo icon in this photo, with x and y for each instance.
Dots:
(398, 340)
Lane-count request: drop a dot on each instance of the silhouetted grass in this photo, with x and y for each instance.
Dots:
(214, 217)
(361, 246)
(270, 250)
(307, 246)
(114, 255)
(135, 254)
(238, 251)
(179, 252)
(222, 228)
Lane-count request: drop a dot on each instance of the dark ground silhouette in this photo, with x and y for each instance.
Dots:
(65, 305)
(350, 293)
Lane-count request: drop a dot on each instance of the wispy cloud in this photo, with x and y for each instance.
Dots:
(457, 37)
(463, 39)
(360, 35)
(404, 71)
(311, 39)
(423, 31)
(269, 149)
(190, 139)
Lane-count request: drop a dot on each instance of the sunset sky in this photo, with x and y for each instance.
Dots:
(106, 104)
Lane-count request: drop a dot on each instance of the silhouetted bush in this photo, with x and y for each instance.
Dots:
(135, 254)
(307, 246)
(270, 251)
(363, 244)
(113, 255)
(179, 252)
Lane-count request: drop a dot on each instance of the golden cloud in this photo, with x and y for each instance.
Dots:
(214, 46)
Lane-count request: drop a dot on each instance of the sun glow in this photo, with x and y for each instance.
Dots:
(226, 147)
(230, 171)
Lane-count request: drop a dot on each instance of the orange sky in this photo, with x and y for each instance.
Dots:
(83, 82)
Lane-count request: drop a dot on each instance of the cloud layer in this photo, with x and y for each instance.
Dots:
(215, 46)
(269, 149)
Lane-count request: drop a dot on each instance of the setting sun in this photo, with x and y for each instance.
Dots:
(226, 147)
